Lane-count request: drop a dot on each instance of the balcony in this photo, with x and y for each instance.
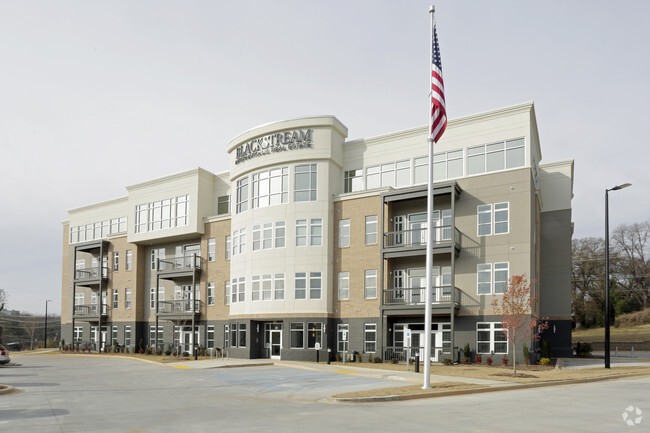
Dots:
(180, 266)
(442, 298)
(179, 308)
(415, 240)
(88, 311)
(93, 274)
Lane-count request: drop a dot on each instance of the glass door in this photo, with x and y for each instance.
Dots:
(276, 343)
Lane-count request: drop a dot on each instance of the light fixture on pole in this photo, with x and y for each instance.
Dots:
(45, 332)
(616, 188)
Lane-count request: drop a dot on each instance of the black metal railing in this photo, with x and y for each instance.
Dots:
(182, 306)
(183, 263)
(92, 273)
(419, 237)
(416, 295)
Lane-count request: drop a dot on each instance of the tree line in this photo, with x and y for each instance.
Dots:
(629, 280)
(26, 331)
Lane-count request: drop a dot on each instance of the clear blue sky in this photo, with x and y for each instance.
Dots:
(97, 95)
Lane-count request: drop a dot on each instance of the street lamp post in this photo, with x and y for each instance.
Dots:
(45, 335)
(607, 318)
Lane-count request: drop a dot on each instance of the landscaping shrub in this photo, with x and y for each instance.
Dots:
(447, 361)
(583, 350)
(159, 352)
(168, 352)
(489, 361)
(545, 361)
(186, 354)
(478, 359)
(504, 360)
(392, 361)
(370, 357)
(377, 360)
(149, 351)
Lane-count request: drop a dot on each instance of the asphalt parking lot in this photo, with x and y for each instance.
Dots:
(94, 394)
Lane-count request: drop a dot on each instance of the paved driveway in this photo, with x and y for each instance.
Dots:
(75, 394)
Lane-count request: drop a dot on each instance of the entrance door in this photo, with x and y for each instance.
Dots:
(276, 343)
(417, 344)
(186, 340)
(273, 340)
(103, 342)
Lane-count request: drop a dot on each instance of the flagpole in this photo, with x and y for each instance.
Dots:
(429, 247)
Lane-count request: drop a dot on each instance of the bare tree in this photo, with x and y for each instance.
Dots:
(3, 298)
(587, 280)
(31, 325)
(632, 270)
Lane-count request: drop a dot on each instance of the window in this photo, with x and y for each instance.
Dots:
(114, 335)
(127, 335)
(484, 219)
(152, 336)
(161, 214)
(344, 286)
(78, 334)
(353, 180)
(371, 229)
(305, 183)
(343, 337)
(279, 287)
(242, 335)
(270, 187)
(127, 298)
(242, 195)
(370, 288)
(152, 298)
(238, 242)
(227, 292)
(448, 165)
(212, 249)
(496, 156)
(223, 205)
(228, 247)
(370, 338)
(315, 232)
(315, 284)
(267, 236)
(280, 234)
(116, 261)
(157, 253)
(420, 170)
(501, 218)
(484, 278)
(314, 334)
(115, 299)
(301, 233)
(226, 336)
(241, 289)
(210, 336)
(255, 288)
(210, 293)
(491, 338)
(300, 285)
(257, 235)
(344, 233)
(266, 287)
(297, 335)
(129, 260)
(487, 274)
(500, 277)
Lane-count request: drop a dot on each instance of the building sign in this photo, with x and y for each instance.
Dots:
(276, 142)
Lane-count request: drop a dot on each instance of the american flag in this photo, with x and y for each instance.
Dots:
(438, 110)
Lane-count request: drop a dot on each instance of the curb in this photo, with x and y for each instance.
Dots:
(6, 389)
(406, 397)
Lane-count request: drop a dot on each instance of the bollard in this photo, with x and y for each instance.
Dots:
(417, 362)
(329, 356)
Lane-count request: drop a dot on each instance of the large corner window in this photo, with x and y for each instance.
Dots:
(242, 195)
(353, 180)
(270, 187)
(496, 156)
(305, 182)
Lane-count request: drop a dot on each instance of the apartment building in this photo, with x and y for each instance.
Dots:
(313, 244)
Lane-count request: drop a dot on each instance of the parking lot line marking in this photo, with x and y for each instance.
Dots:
(343, 371)
(182, 366)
